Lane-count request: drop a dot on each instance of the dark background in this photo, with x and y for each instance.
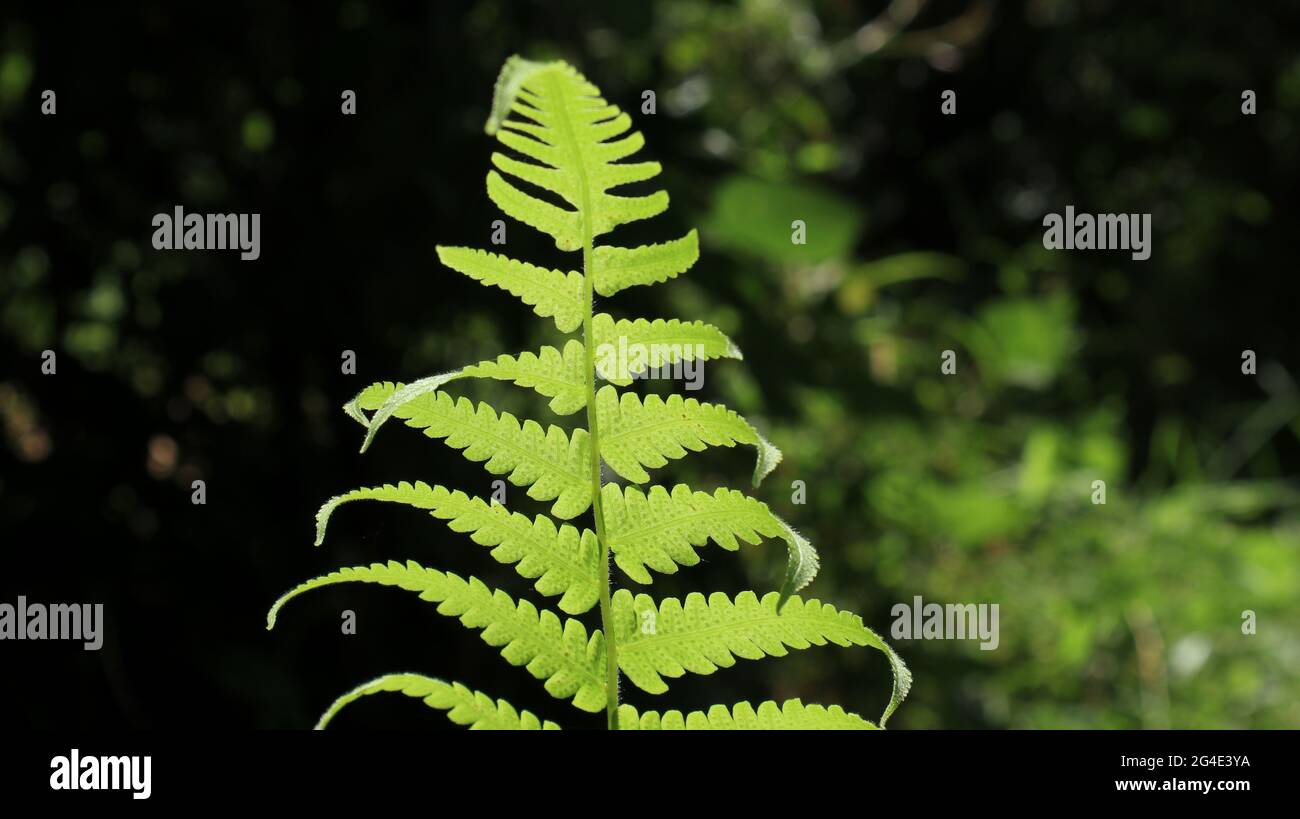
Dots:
(925, 235)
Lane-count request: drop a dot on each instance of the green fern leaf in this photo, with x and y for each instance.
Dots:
(562, 561)
(703, 635)
(792, 715)
(555, 375)
(551, 464)
(637, 434)
(551, 293)
(566, 147)
(559, 653)
(473, 709)
(618, 268)
(625, 348)
(558, 119)
(662, 530)
(563, 225)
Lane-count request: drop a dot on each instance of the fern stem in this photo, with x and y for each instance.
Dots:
(606, 621)
(589, 345)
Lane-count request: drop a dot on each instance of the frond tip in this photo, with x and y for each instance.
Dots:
(514, 73)
(472, 709)
(551, 114)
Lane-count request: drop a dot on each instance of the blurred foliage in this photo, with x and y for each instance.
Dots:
(923, 235)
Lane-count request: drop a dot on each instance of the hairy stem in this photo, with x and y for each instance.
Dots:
(589, 344)
(606, 622)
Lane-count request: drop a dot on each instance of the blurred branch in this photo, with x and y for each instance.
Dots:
(886, 35)
(1279, 410)
(877, 33)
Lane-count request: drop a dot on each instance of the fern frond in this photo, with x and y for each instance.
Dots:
(662, 530)
(473, 709)
(558, 653)
(558, 376)
(618, 268)
(551, 464)
(637, 434)
(792, 715)
(564, 150)
(551, 293)
(556, 118)
(701, 636)
(562, 561)
(660, 342)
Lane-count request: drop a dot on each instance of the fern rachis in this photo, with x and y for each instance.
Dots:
(572, 144)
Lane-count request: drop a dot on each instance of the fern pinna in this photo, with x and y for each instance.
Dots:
(570, 142)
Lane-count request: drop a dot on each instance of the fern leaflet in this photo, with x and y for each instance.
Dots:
(792, 715)
(550, 293)
(661, 530)
(646, 433)
(618, 268)
(550, 463)
(624, 349)
(472, 709)
(562, 560)
(561, 654)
